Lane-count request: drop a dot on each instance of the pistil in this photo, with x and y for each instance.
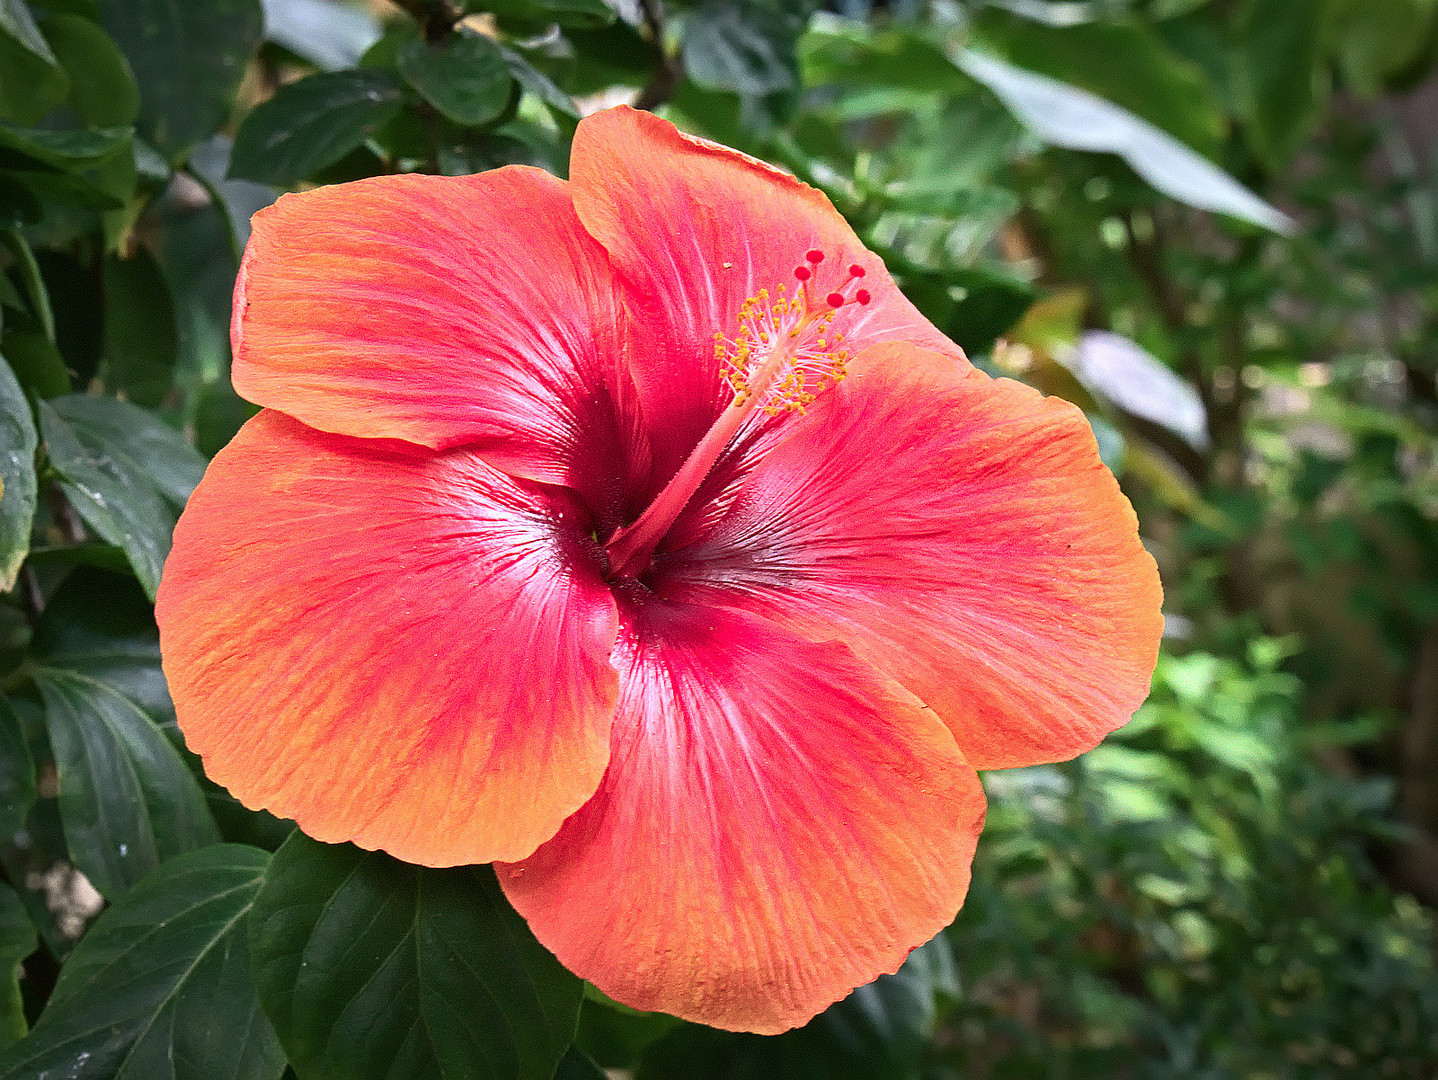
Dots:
(778, 347)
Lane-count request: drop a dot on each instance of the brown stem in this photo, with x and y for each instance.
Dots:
(667, 69)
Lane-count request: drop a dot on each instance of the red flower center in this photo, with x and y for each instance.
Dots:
(783, 355)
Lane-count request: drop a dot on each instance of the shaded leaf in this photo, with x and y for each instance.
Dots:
(125, 472)
(160, 986)
(102, 89)
(17, 941)
(372, 968)
(127, 799)
(116, 643)
(580, 13)
(17, 473)
(466, 77)
(1280, 72)
(577, 1065)
(139, 342)
(1067, 116)
(188, 59)
(312, 123)
(31, 79)
(17, 773)
(748, 47)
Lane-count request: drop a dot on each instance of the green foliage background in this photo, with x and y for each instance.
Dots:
(1213, 224)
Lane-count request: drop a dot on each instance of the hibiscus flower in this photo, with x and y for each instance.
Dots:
(636, 534)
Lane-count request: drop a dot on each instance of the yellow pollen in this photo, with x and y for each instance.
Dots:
(789, 332)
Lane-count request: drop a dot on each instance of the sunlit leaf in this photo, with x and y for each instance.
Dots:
(1067, 116)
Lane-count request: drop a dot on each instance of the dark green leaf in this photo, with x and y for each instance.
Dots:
(33, 282)
(36, 361)
(160, 987)
(1280, 72)
(539, 84)
(188, 59)
(17, 941)
(974, 306)
(102, 89)
(371, 968)
(31, 80)
(465, 77)
(125, 472)
(77, 296)
(17, 472)
(116, 643)
(747, 47)
(70, 150)
(312, 123)
(140, 345)
(577, 1065)
(17, 773)
(127, 800)
(150, 445)
(581, 13)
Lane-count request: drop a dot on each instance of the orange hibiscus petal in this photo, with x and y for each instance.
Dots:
(439, 310)
(779, 824)
(693, 229)
(976, 549)
(389, 646)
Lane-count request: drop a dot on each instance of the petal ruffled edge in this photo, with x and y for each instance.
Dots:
(778, 825)
(390, 647)
(470, 310)
(694, 229)
(958, 532)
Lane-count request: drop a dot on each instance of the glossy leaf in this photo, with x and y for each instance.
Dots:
(578, 13)
(1124, 374)
(1122, 62)
(102, 89)
(116, 643)
(160, 986)
(577, 1065)
(31, 79)
(1067, 116)
(748, 47)
(17, 941)
(140, 334)
(188, 60)
(372, 968)
(17, 473)
(312, 123)
(127, 799)
(65, 149)
(125, 472)
(465, 77)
